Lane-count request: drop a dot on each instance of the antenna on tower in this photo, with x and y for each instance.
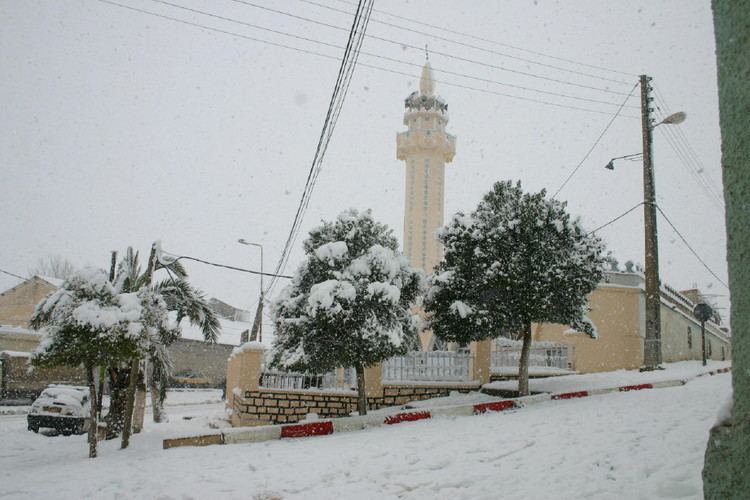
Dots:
(426, 53)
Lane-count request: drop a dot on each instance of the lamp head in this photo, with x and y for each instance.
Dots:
(610, 165)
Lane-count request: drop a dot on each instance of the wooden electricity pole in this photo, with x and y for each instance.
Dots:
(652, 343)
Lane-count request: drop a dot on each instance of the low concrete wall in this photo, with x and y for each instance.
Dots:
(277, 406)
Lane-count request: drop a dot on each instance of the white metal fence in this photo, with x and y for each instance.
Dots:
(299, 381)
(539, 357)
(429, 366)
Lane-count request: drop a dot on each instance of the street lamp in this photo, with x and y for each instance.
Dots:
(258, 322)
(652, 343)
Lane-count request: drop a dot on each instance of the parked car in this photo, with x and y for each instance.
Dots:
(62, 407)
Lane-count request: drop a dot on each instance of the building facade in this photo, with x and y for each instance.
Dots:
(617, 309)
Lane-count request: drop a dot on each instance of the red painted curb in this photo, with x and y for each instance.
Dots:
(304, 430)
(494, 406)
(637, 387)
(406, 417)
(571, 395)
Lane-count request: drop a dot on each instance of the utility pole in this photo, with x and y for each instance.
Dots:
(652, 344)
(257, 330)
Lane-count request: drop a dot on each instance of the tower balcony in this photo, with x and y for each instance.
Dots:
(426, 141)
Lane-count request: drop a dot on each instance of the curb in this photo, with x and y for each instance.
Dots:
(349, 424)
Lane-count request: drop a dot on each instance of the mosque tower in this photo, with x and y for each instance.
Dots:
(426, 148)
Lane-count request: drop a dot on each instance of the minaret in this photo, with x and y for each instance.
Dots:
(426, 148)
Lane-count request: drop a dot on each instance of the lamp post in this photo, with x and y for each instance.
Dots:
(258, 322)
(652, 343)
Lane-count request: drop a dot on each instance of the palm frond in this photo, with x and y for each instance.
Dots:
(190, 303)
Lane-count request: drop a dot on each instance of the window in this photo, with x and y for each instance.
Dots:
(708, 349)
(690, 338)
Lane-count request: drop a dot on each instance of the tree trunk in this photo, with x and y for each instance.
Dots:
(139, 410)
(94, 412)
(118, 384)
(154, 382)
(135, 364)
(361, 392)
(523, 364)
(100, 392)
(127, 426)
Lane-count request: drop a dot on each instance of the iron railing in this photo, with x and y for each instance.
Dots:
(539, 357)
(429, 366)
(301, 381)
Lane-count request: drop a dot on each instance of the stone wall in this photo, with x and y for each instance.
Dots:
(19, 382)
(209, 360)
(277, 406)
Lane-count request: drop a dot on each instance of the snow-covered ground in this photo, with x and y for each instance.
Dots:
(644, 444)
(682, 370)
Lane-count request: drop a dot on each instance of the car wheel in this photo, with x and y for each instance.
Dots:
(67, 432)
(34, 429)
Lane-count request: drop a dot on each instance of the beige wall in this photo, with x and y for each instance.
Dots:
(674, 335)
(616, 314)
(22, 342)
(18, 303)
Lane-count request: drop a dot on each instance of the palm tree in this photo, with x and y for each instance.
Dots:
(178, 296)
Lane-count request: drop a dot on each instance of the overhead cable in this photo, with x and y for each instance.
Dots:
(12, 274)
(695, 254)
(386, 58)
(616, 218)
(493, 42)
(402, 44)
(371, 66)
(471, 46)
(591, 149)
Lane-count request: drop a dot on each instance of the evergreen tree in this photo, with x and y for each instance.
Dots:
(86, 322)
(349, 302)
(517, 259)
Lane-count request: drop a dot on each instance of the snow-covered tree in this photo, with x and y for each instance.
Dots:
(87, 322)
(517, 259)
(349, 302)
(179, 297)
(94, 322)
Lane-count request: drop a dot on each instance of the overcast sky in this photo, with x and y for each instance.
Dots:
(120, 128)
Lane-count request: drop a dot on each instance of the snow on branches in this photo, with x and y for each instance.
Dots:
(88, 321)
(518, 258)
(349, 302)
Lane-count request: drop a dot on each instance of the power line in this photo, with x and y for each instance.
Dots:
(225, 266)
(690, 247)
(379, 56)
(686, 164)
(689, 158)
(14, 275)
(371, 66)
(403, 44)
(493, 42)
(615, 219)
(346, 70)
(470, 46)
(591, 149)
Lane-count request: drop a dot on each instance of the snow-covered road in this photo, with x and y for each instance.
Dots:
(646, 444)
